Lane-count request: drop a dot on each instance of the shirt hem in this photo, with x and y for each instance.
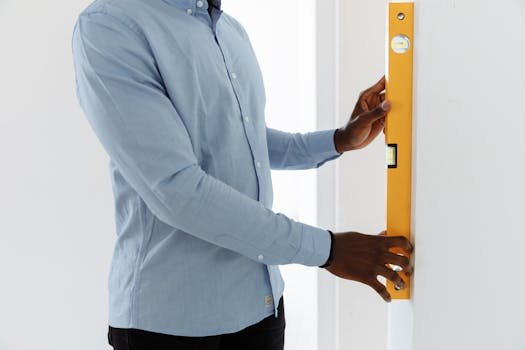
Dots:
(188, 333)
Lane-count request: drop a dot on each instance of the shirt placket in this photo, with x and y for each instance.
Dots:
(249, 131)
(248, 123)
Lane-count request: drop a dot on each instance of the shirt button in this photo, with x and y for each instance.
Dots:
(258, 164)
(234, 76)
(246, 119)
(260, 257)
(189, 11)
(200, 3)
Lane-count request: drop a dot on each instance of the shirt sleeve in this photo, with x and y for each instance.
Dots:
(300, 151)
(121, 93)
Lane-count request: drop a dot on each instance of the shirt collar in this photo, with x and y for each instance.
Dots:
(192, 4)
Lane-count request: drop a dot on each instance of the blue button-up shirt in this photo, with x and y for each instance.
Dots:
(176, 97)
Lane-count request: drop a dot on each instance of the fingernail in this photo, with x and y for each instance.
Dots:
(385, 105)
(399, 287)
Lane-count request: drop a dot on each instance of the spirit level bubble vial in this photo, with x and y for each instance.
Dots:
(399, 126)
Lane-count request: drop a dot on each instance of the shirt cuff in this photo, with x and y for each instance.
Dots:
(321, 146)
(315, 246)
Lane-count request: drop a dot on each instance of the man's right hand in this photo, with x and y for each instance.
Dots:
(363, 258)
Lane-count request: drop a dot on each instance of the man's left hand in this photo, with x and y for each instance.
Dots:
(367, 120)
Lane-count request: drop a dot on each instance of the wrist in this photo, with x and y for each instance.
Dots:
(331, 253)
(340, 141)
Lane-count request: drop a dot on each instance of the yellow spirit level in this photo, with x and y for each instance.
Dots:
(399, 126)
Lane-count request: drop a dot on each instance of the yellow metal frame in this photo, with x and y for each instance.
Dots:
(399, 130)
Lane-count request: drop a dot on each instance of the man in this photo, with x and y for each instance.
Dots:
(173, 91)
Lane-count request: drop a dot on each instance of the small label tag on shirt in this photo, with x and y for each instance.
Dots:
(268, 300)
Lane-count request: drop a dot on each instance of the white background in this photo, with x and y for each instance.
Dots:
(57, 229)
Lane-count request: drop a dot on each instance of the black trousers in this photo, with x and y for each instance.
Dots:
(268, 334)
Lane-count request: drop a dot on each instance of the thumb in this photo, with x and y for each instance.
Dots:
(377, 113)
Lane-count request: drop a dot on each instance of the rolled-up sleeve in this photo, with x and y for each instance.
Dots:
(300, 151)
(122, 95)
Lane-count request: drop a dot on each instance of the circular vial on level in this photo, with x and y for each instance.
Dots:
(401, 16)
(400, 43)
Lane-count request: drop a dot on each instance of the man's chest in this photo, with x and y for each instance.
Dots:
(197, 62)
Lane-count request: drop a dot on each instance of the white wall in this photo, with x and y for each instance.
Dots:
(361, 186)
(327, 77)
(469, 175)
(56, 232)
(351, 192)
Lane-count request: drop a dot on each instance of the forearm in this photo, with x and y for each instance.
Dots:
(300, 151)
(205, 207)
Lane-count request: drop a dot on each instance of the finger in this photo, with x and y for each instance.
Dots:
(381, 290)
(397, 260)
(406, 271)
(379, 86)
(364, 105)
(392, 276)
(373, 95)
(376, 130)
(399, 242)
(377, 113)
(377, 127)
